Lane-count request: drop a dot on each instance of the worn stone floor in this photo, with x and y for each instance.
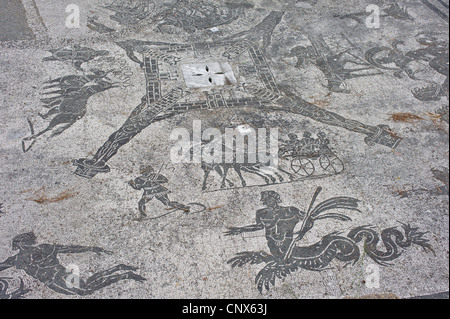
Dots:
(115, 115)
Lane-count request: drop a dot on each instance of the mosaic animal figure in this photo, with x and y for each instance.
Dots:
(435, 53)
(223, 168)
(208, 168)
(130, 12)
(194, 15)
(75, 55)
(69, 103)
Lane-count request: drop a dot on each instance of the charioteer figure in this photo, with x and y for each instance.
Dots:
(307, 142)
(323, 143)
(290, 146)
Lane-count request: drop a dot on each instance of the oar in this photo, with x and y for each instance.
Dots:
(307, 217)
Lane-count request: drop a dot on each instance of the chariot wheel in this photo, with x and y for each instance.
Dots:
(331, 163)
(303, 166)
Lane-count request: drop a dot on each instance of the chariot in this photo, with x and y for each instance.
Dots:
(303, 160)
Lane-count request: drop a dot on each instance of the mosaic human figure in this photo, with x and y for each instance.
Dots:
(152, 184)
(130, 12)
(337, 68)
(277, 221)
(307, 142)
(41, 263)
(194, 15)
(290, 146)
(322, 142)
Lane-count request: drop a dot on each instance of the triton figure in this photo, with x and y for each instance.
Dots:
(277, 221)
(284, 232)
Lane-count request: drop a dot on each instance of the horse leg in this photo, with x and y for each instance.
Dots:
(105, 281)
(205, 178)
(61, 130)
(291, 176)
(260, 172)
(237, 168)
(255, 172)
(33, 137)
(280, 178)
(219, 171)
(224, 177)
(57, 120)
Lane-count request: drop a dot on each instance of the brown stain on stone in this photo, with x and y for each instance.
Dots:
(42, 198)
(405, 117)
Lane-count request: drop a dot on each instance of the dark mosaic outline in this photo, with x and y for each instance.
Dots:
(157, 106)
(286, 257)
